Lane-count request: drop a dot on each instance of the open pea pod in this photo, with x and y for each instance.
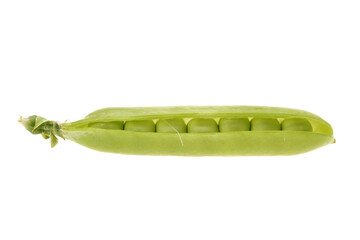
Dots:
(192, 130)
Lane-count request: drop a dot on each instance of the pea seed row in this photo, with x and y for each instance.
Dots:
(203, 125)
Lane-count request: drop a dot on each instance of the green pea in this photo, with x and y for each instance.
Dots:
(202, 125)
(140, 126)
(265, 124)
(296, 124)
(171, 126)
(234, 124)
(302, 131)
(108, 125)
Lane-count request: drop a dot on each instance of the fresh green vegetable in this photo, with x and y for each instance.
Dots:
(192, 130)
(140, 126)
(296, 124)
(201, 125)
(107, 125)
(234, 124)
(176, 125)
(265, 124)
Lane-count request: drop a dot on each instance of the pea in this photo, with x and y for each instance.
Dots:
(140, 126)
(133, 131)
(234, 124)
(296, 124)
(265, 124)
(108, 125)
(202, 125)
(171, 126)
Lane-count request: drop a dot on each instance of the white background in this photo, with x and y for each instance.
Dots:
(64, 59)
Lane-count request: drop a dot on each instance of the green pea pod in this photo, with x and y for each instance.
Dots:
(244, 130)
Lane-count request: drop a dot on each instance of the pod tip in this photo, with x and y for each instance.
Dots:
(39, 125)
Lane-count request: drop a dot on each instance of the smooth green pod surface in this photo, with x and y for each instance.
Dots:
(300, 131)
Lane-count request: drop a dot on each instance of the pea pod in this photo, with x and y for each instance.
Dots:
(192, 130)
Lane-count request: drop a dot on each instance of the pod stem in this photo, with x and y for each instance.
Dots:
(39, 125)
